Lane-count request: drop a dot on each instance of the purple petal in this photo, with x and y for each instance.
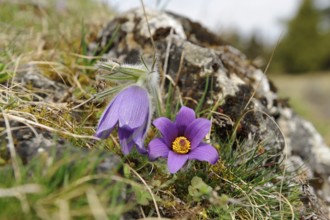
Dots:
(204, 152)
(184, 117)
(139, 136)
(197, 130)
(176, 161)
(157, 148)
(103, 134)
(134, 107)
(167, 128)
(125, 139)
(108, 119)
(139, 140)
(128, 137)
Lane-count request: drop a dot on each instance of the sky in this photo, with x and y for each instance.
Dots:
(262, 17)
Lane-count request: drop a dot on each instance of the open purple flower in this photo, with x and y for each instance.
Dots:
(130, 109)
(182, 140)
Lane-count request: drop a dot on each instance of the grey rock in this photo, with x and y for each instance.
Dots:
(47, 146)
(45, 89)
(246, 95)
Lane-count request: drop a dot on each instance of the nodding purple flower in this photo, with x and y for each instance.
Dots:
(182, 140)
(130, 110)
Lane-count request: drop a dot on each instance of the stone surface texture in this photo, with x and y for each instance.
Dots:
(194, 58)
(44, 88)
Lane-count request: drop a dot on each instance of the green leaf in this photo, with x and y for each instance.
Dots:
(126, 170)
(2, 66)
(142, 196)
(4, 76)
(199, 189)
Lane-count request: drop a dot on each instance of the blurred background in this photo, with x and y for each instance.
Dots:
(298, 31)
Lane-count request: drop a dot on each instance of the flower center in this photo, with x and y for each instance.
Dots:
(181, 145)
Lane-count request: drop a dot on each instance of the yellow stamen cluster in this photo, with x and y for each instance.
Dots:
(181, 145)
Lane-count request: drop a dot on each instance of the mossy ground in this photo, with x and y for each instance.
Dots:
(245, 183)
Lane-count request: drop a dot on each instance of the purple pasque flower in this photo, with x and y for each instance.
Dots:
(182, 140)
(130, 110)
